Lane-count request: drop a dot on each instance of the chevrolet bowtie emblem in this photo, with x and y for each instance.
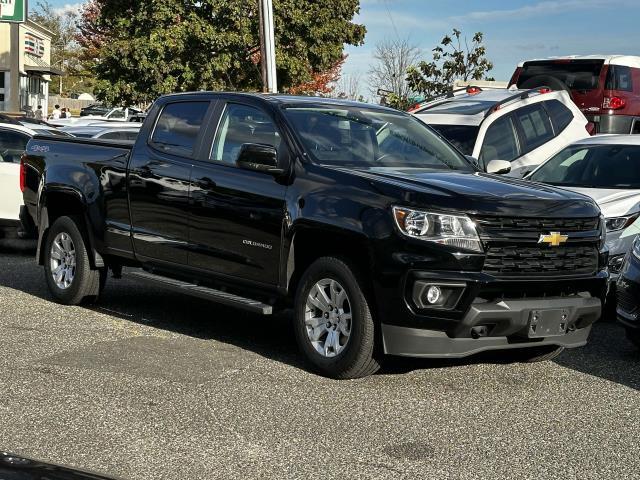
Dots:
(554, 239)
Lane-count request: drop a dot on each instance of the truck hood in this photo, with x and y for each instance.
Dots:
(612, 202)
(481, 193)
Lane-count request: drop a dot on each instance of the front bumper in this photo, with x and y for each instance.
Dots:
(508, 321)
(628, 286)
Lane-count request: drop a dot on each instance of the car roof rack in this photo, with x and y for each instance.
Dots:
(518, 96)
(450, 94)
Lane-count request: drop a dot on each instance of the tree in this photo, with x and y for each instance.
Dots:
(321, 83)
(349, 87)
(65, 51)
(393, 58)
(454, 59)
(146, 49)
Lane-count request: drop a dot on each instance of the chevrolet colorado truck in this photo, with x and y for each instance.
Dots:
(382, 237)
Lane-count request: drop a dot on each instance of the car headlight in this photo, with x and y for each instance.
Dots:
(636, 248)
(603, 232)
(619, 223)
(453, 230)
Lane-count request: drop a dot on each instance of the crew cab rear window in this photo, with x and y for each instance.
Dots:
(560, 115)
(535, 125)
(178, 127)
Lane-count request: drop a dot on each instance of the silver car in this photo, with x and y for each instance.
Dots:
(606, 168)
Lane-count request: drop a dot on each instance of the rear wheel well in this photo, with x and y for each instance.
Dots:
(63, 204)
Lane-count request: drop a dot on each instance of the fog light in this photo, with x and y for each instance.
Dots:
(615, 263)
(440, 295)
(433, 294)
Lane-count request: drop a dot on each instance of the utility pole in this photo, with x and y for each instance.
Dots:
(267, 47)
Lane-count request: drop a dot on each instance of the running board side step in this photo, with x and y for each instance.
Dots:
(211, 294)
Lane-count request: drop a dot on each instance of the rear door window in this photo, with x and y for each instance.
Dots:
(619, 78)
(535, 126)
(178, 127)
(500, 142)
(561, 116)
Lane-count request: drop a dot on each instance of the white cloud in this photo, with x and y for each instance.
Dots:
(538, 9)
(69, 8)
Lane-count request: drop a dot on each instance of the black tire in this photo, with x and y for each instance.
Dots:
(357, 359)
(634, 336)
(539, 354)
(85, 285)
(545, 81)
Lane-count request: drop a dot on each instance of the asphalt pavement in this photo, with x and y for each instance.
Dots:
(149, 384)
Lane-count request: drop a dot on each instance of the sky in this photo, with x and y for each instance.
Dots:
(514, 30)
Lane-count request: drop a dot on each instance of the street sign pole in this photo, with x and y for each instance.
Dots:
(268, 46)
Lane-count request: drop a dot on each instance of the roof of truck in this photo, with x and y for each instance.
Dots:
(625, 60)
(287, 100)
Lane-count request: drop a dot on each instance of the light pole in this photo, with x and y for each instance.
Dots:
(267, 46)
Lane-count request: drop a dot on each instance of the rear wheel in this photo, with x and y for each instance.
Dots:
(68, 272)
(333, 324)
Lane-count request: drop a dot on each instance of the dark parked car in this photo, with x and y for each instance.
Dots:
(94, 109)
(381, 235)
(628, 292)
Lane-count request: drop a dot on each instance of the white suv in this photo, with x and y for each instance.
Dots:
(522, 127)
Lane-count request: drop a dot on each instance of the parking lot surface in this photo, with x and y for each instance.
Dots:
(153, 385)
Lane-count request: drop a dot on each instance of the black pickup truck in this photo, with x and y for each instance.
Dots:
(382, 236)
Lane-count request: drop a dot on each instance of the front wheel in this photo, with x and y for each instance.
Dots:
(333, 324)
(68, 272)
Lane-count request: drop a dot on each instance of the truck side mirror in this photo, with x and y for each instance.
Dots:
(260, 158)
(499, 167)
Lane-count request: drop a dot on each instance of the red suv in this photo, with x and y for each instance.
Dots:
(605, 87)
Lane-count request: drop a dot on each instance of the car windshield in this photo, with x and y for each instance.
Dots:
(462, 136)
(593, 166)
(360, 137)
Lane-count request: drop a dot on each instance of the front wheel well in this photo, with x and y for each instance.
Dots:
(308, 245)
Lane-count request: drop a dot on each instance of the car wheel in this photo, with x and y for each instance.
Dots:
(333, 324)
(68, 272)
(634, 336)
(539, 354)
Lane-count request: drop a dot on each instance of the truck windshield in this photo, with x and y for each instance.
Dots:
(575, 74)
(593, 166)
(360, 137)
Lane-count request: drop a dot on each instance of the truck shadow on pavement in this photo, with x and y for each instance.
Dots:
(608, 355)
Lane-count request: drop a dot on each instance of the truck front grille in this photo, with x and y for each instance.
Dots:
(542, 225)
(626, 302)
(516, 260)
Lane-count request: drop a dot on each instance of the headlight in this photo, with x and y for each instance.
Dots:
(618, 223)
(453, 230)
(603, 232)
(636, 248)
